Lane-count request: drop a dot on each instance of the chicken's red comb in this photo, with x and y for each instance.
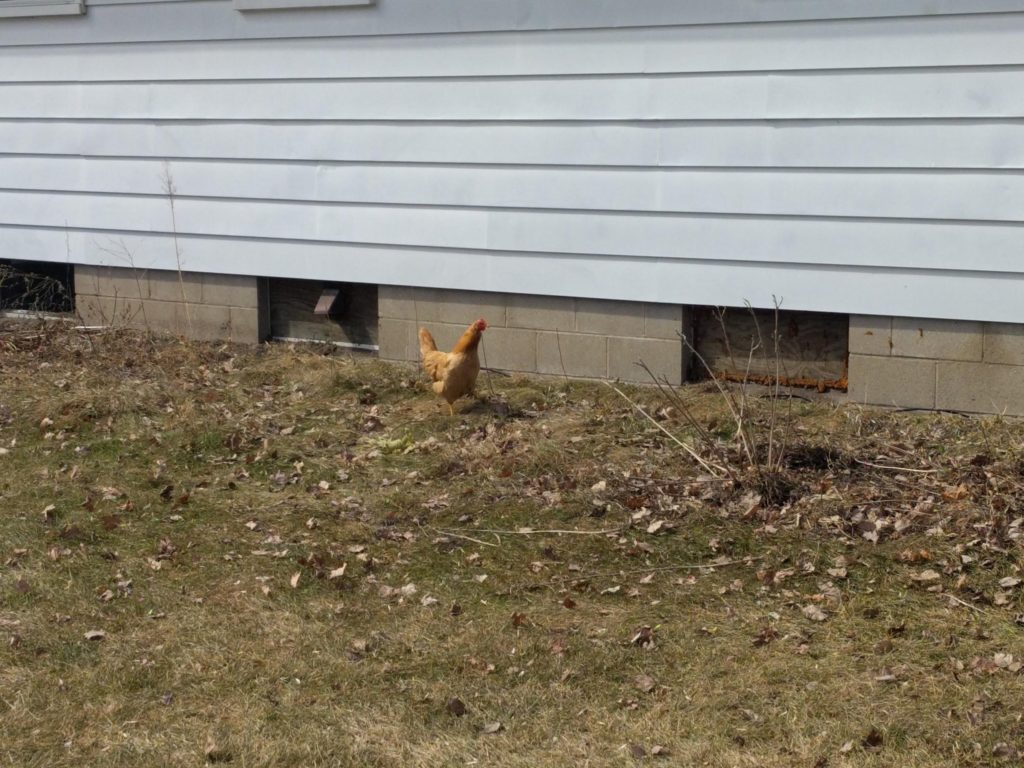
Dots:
(481, 324)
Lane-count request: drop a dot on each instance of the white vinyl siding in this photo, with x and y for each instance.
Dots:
(274, 5)
(843, 155)
(17, 9)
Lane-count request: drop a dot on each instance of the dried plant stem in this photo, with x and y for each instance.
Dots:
(483, 355)
(656, 569)
(896, 469)
(531, 532)
(170, 191)
(764, 445)
(737, 408)
(710, 468)
(460, 536)
(561, 360)
(964, 603)
(673, 397)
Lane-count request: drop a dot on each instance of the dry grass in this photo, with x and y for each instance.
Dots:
(189, 484)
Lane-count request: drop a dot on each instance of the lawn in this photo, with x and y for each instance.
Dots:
(286, 556)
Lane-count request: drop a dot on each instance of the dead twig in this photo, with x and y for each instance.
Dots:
(656, 569)
(712, 469)
(666, 389)
(532, 532)
(964, 603)
(467, 538)
(896, 469)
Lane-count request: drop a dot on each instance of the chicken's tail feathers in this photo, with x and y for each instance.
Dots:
(427, 343)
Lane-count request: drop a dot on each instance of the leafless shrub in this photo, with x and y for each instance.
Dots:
(753, 454)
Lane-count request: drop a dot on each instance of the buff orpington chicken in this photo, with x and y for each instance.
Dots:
(453, 373)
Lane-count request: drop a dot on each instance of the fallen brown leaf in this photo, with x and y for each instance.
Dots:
(645, 683)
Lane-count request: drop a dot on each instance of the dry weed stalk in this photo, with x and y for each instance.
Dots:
(763, 446)
(120, 250)
(171, 191)
(716, 470)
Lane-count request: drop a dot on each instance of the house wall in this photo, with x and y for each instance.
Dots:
(850, 156)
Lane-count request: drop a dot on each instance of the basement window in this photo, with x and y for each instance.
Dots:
(344, 314)
(813, 347)
(36, 287)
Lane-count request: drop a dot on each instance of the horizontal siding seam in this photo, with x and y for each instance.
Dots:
(644, 74)
(772, 122)
(668, 169)
(545, 210)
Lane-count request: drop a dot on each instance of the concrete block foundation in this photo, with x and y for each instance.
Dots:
(553, 335)
(892, 361)
(205, 307)
(937, 364)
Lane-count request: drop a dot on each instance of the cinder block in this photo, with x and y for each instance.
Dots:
(87, 280)
(207, 322)
(464, 307)
(980, 388)
(397, 339)
(892, 381)
(425, 308)
(663, 321)
(247, 326)
(618, 318)
(123, 282)
(937, 339)
(392, 301)
(663, 356)
(93, 310)
(166, 285)
(545, 313)
(230, 291)
(870, 335)
(572, 354)
(1004, 343)
(127, 313)
(430, 305)
(162, 317)
(509, 349)
(403, 303)
(112, 311)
